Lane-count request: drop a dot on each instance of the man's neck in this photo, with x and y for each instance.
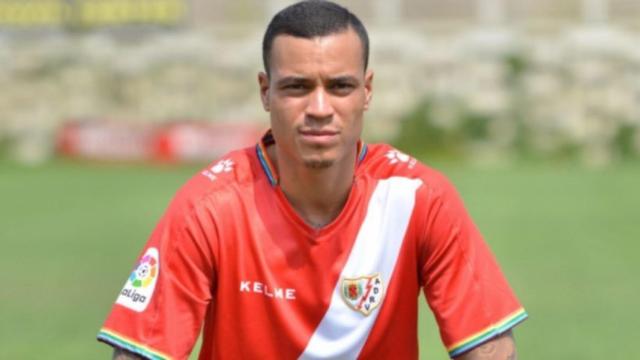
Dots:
(317, 195)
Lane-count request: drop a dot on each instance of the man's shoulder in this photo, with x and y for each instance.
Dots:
(232, 173)
(384, 161)
(235, 167)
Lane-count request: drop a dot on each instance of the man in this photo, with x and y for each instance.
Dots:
(313, 245)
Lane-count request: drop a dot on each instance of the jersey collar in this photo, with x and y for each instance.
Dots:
(267, 165)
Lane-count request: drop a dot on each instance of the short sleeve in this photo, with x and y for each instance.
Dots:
(160, 310)
(464, 286)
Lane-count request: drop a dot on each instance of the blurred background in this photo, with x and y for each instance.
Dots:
(532, 108)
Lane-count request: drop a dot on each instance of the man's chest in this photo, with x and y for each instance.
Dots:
(313, 286)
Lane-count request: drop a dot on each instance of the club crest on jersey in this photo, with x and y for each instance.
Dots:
(362, 294)
(137, 291)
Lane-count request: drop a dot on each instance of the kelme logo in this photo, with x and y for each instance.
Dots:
(222, 166)
(398, 157)
(138, 290)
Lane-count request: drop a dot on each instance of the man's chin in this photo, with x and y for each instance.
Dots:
(318, 158)
(318, 163)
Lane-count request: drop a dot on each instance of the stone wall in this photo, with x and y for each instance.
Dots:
(580, 84)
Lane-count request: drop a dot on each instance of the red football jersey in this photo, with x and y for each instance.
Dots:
(232, 258)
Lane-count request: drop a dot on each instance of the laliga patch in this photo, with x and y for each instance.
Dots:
(140, 285)
(362, 294)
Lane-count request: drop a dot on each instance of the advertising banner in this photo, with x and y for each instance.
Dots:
(90, 13)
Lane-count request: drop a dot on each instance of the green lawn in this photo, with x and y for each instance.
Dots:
(567, 239)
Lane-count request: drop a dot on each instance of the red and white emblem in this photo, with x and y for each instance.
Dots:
(362, 294)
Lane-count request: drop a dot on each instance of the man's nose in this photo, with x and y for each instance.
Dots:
(319, 105)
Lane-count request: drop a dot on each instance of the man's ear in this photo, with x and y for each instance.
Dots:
(263, 82)
(368, 88)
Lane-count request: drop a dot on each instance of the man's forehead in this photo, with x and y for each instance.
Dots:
(340, 52)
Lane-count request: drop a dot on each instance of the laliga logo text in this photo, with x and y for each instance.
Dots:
(133, 295)
(138, 290)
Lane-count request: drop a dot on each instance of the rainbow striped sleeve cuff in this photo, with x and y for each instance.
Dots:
(487, 333)
(114, 339)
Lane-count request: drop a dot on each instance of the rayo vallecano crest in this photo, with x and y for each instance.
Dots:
(362, 294)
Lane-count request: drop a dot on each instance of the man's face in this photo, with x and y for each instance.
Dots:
(316, 93)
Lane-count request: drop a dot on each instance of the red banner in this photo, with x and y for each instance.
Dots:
(173, 142)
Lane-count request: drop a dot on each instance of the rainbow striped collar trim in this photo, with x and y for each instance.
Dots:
(270, 170)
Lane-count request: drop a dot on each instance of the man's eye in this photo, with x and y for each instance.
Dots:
(294, 87)
(342, 87)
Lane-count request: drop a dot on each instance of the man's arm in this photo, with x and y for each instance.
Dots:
(502, 347)
(119, 354)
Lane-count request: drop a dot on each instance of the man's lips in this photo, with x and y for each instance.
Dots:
(318, 136)
(318, 132)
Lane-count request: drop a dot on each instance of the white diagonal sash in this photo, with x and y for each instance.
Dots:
(343, 331)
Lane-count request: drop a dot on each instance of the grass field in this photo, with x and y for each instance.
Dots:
(567, 238)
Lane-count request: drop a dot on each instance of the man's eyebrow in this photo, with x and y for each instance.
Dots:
(344, 78)
(292, 79)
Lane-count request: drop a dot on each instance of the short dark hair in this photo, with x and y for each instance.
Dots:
(312, 18)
